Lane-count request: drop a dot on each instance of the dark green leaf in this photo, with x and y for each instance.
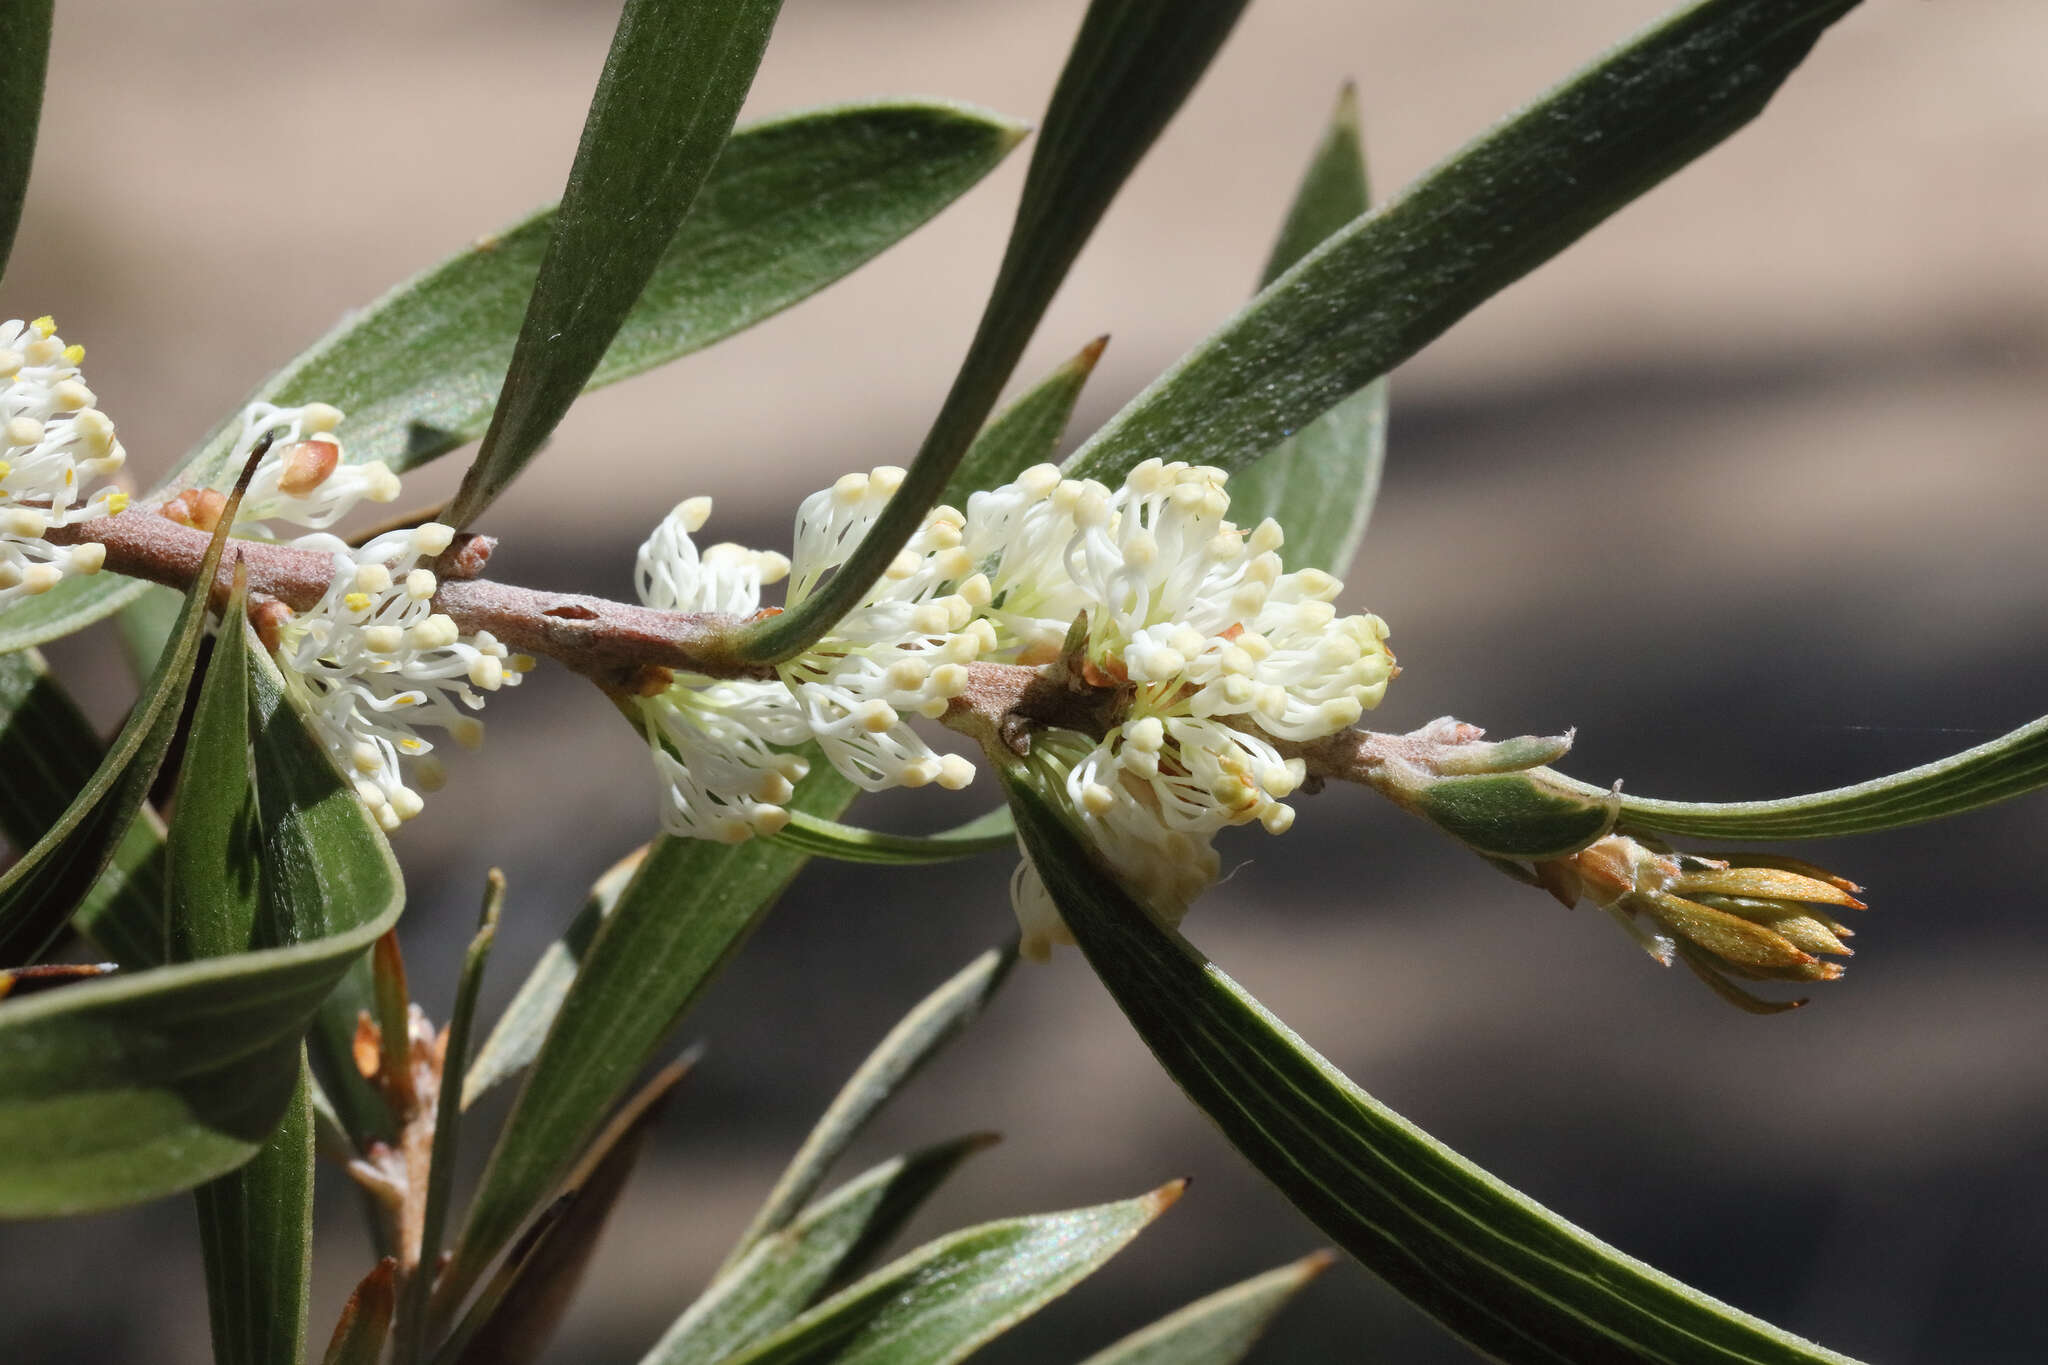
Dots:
(1220, 1329)
(987, 833)
(794, 203)
(1320, 483)
(916, 1039)
(1510, 1277)
(24, 58)
(672, 86)
(412, 1321)
(832, 1241)
(2012, 765)
(513, 1324)
(143, 1084)
(1027, 432)
(365, 1320)
(1383, 288)
(680, 919)
(256, 1237)
(525, 1022)
(943, 1301)
(40, 892)
(213, 855)
(1131, 65)
(49, 753)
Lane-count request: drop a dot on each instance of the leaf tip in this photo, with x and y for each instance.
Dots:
(1314, 1264)
(1165, 1197)
(1346, 115)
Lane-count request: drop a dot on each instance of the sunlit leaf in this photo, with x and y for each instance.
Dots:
(943, 1301)
(794, 203)
(1320, 483)
(1220, 1329)
(917, 1038)
(831, 1242)
(2012, 765)
(1513, 1279)
(672, 86)
(1383, 288)
(687, 909)
(1131, 65)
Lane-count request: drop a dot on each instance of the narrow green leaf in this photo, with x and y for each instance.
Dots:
(1028, 431)
(831, 1242)
(39, 893)
(1131, 65)
(679, 920)
(672, 87)
(917, 1038)
(49, 753)
(987, 833)
(1513, 1279)
(24, 59)
(412, 1321)
(944, 1301)
(143, 1084)
(1220, 1329)
(213, 855)
(516, 1321)
(1320, 483)
(256, 1237)
(517, 1036)
(255, 1223)
(795, 203)
(365, 1319)
(2012, 765)
(145, 625)
(1383, 288)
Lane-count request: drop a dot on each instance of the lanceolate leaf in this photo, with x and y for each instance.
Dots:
(139, 1085)
(916, 1039)
(49, 753)
(1512, 1278)
(256, 1238)
(39, 893)
(24, 57)
(942, 1302)
(672, 85)
(1320, 483)
(1131, 65)
(1383, 288)
(1027, 432)
(1220, 1329)
(830, 1243)
(524, 1317)
(2011, 765)
(987, 833)
(255, 1223)
(794, 203)
(681, 918)
(518, 1033)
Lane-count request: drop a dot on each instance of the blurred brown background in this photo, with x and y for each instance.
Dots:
(1747, 486)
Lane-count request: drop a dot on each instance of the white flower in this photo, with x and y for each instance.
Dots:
(372, 662)
(305, 478)
(902, 651)
(52, 442)
(1209, 643)
(715, 742)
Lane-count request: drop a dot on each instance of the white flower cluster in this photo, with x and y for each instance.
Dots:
(53, 441)
(1213, 650)
(373, 661)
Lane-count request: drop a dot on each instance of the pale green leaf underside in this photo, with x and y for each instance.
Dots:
(942, 1301)
(795, 203)
(1220, 1329)
(987, 833)
(1509, 1276)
